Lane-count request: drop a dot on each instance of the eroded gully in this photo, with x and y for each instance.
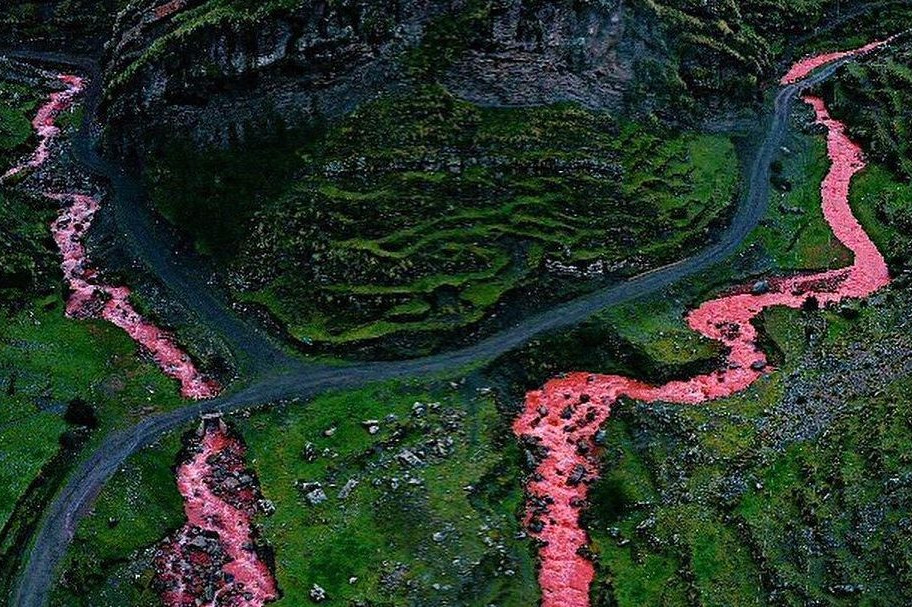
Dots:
(87, 297)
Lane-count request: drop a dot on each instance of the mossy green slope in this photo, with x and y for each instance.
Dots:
(420, 213)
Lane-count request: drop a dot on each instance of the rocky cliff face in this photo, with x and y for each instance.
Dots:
(540, 52)
(74, 25)
(213, 75)
(176, 68)
(215, 69)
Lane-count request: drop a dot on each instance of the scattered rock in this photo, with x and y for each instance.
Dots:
(346, 489)
(312, 492)
(309, 452)
(408, 458)
(317, 594)
(760, 287)
(577, 475)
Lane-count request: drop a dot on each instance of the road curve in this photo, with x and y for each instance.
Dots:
(54, 534)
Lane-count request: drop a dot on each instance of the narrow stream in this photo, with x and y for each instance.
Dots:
(211, 560)
(89, 299)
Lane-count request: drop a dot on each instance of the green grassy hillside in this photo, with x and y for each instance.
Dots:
(419, 213)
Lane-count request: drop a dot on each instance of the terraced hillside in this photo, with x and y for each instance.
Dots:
(413, 217)
(424, 213)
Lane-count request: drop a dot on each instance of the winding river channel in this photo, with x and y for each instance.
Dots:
(565, 414)
(88, 298)
(562, 416)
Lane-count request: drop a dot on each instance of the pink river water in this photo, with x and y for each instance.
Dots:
(220, 497)
(169, 8)
(564, 415)
(803, 68)
(220, 501)
(87, 298)
(44, 123)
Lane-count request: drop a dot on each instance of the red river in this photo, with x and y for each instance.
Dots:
(220, 497)
(564, 415)
(44, 123)
(220, 500)
(89, 299)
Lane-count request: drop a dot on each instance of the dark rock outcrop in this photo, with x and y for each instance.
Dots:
(173, 68)
(76, 26)
(214, 81)
(546, 52)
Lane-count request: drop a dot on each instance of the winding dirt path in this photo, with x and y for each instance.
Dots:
(564, 415)
(89, 299)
